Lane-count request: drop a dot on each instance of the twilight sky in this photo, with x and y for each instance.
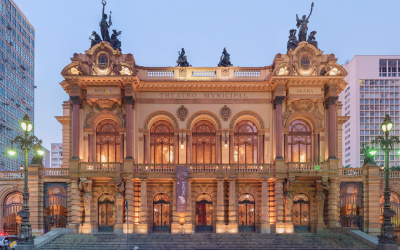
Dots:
(154, 30)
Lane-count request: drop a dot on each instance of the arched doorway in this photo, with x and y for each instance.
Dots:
(350, 204)
(55, 206)
(11, 220)
(301, 213)
(246, 143)
(299, 142)
(161, 213)
(162, 143)
(204, 213)
(395, 206)
(106, 213)
(203, 143)
(246, 213)
(107, 141)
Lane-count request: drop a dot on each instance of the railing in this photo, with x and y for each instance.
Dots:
(392, 174)
(55, 172)
(351, 172)
(247, 73)
(100, 166)
(204, 73)
(160, 73)
(308, 166)
(253, 168)
(206, 168)
(158, 168)
(12, 175)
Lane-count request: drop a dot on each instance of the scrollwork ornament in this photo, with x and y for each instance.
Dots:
(182, 112)
(225, 112)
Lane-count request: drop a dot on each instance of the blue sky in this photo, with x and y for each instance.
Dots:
(154, 30)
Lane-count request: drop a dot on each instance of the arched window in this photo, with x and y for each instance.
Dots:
(106, 213)
(394, 205)
(55, 207)
(161, 213)
(246, 213)
(299, 141)
(246, 143)
(161, 143)
(350, 205)
(203, 143)
(301, 213)
(107, 141)
(11, 220)
(204, 213)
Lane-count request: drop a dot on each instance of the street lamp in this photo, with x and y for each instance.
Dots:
(387, 144)
(26, 143)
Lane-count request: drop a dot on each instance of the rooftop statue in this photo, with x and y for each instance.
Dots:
(302, 23)
(225, 60)
(182, 60)
(292, 43)
(96, 39)
(311, 39)
(104, 25)
(115, 43)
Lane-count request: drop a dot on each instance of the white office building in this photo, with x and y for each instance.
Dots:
(371, 93)
(56, 155)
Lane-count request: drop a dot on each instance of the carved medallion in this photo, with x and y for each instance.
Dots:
(105, 104)
(225, 112)
(102, 61)
(182, 112)
(302, 105)
(305, 62)
(225, 72)
(182, 73)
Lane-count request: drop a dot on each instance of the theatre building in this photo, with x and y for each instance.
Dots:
(195, 149)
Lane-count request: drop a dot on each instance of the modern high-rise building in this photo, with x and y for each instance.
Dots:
(373, 91)
(17, 40)
(56, 155)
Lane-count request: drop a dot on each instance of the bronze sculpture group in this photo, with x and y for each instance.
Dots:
(303, 25)
(104, 26)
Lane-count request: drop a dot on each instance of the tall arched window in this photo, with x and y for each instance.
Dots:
(246, 213)
(394, 205)
(11, 220)
(161, 213)
(203, 143)
(246, 143)
(161, 143)
(301, 213)
(107, 141)
(350, 204)
(299, 141)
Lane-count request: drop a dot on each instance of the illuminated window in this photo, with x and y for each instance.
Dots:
(161, 143)
(299, 141)
(11, 220)
(245, 143)
(395, 206)
(203, 143)
(161, 213)
(107, 141)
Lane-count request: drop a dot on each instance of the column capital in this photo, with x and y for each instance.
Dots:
(129, 100)
(278, 100)
(76, 100)
(331, 100)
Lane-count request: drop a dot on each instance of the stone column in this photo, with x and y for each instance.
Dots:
(280, 225)
(75, 207)
(129, 127)
(120, 207)
(76, 100)
(176, 149)
(288, 195)
(121, 147)
(129, 214)
(91, 141)
(218, 149)
(143, 226)
(220, 225)
(88, 204)
(285, 147)
(331, 102)
(265, 227)
(333, 200)
(233, 223)
(231, 149)
(278, 123)
(320, 200)
(261, 149)
(188, 226)
(316, 147)
(176, 228)
(189, 149)
(146, 149)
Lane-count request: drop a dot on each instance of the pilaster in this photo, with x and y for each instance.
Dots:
(265, 227)
(128, 225)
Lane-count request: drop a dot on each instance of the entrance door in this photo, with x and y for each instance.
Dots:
(203, 213)
(11, 219)
(106, 213)
(246, 213)
(301, 213)
(55, 206)
(161, 213)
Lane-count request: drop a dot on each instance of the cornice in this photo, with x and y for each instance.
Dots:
(63, 119)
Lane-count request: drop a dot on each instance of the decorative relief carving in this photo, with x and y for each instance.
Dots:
(283, 71)
(225, 112)
(102, 64)
(317, 114)
(331, 70)
(286, 114)
(182, 112)
(225, 72)
(121, 116)
(89, 117)
(182, 73)
(302, 105)
(105, 104)
(306, 65)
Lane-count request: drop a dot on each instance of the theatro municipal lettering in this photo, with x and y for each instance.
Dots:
(210, 95)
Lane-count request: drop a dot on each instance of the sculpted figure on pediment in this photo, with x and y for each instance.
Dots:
(306, 64)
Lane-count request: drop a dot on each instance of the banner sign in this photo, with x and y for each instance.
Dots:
(181, 188)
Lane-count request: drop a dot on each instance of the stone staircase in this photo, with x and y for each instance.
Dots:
(206, 241)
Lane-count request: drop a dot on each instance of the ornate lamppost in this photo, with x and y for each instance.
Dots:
(26, 143)
(387, 143)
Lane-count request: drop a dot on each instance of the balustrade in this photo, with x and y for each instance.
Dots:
(100, 166)
(204, 73)
(351, 172)
(55, 172)
(12, 175)
(247, 73)
(392, 174)
(160, 73)
(308, 166)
